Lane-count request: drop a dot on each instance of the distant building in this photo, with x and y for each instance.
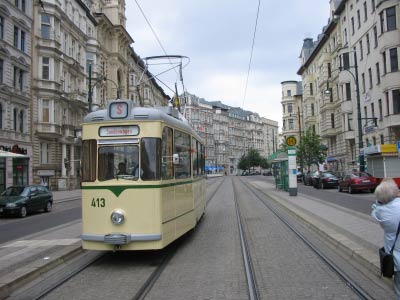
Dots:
(229, 132)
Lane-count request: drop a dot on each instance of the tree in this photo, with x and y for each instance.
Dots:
(310, 150)
(243, 163)
(254, 158)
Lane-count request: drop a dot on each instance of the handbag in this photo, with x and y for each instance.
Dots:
(386, 259)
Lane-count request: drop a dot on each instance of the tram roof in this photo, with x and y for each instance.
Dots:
(166, 114)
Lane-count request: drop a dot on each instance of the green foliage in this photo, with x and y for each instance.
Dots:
(251, 160)
(310, 150)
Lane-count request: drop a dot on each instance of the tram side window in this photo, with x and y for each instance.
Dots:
(203, 160)
(118, 162)
(195, 157)
(89, 160)
(150, 158)
(182, 148)
(167, 167)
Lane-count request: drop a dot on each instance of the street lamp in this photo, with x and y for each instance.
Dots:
(97, 80)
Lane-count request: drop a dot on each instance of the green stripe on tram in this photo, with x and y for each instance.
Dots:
(118, 189)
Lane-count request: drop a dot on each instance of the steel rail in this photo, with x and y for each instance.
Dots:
(248, 265)
(358, 290)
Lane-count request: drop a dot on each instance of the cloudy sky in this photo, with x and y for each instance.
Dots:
(217, 36)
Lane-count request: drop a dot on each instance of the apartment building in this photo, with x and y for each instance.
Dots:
(229, 132)
(351, 80)
(15, 92)
(292, 109)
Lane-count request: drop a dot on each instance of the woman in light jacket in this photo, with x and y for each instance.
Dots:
(387, 212)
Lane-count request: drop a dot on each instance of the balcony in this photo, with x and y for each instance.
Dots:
(48, 130)
(347, 106)
(329, 132)
(349, 135)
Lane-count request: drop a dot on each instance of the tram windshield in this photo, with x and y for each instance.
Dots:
(118, 162)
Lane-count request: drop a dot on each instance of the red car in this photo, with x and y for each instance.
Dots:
(357, 181)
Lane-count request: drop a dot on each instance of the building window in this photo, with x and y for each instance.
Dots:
(346, 61)
(45, 68)
(387, 103)
(394, 63)
(382, 139)
(370, 78)
(289, 93)
(365, 11)
(372, 110)
(396, 101)
(378, 74)
(391, 18)
(1, 70)
(15, 115)
(23, 5)
(363, 82)
(352, 26)
(21, 121)
(15, 80)
(45, 26)
(375, 37)
(291, 127)
(358, 19)
(372, 6)
(365, 113)
(290, 108)
(1, 28)
(21, 80)
(380, 110)
(22, 41)
(382, 22)
(312, 109)
(361, 50)
(45, 111)
(368, 44)
(384, 62)
(333, 120)
(44, 153)
(16, 30)
(348, 91)
(350, 121)
(311, 89)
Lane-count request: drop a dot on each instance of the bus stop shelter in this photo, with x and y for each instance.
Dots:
(279, 162)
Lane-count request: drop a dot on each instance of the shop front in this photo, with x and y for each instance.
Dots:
(383, 161)
(14, 166)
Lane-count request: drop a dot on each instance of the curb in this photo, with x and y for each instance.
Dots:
(36, 269)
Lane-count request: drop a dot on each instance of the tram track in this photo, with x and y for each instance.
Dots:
(247, 261)
(352, 284)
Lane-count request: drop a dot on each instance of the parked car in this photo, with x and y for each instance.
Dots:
(327, 180)
(357, 181)
(309, 178)
(21, 200)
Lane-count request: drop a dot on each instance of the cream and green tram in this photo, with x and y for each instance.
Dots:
(143, 181)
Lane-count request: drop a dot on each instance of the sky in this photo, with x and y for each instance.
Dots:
(217, 37)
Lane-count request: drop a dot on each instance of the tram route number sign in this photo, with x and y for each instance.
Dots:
(291, 141)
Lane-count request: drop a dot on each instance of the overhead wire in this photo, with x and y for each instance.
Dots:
(251, 54)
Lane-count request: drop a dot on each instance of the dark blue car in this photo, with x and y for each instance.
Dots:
(21, 200)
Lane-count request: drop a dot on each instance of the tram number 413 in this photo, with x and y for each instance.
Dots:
(98, 202)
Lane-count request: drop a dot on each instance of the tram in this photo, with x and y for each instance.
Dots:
(143, 178)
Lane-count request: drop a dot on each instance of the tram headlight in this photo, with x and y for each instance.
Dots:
(117, 217)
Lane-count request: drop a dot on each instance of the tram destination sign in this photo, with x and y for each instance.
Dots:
(119, 130)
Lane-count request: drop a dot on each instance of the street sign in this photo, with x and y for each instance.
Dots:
(291, 141)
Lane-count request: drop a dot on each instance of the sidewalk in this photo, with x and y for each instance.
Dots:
(21, 261)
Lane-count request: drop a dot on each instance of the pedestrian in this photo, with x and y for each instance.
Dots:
(386, 211)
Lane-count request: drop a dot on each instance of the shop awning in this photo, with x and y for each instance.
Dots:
(12, 154)
(331, 159)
